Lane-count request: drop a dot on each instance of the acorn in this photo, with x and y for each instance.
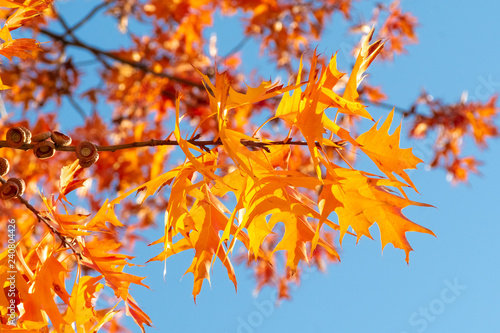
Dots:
(9, 190)
(16, 137)
(41, 136)
(4, 166)
(44, 149)
(60, 138)
(86, 152)
(86, 164)
(28, 134)
(19, 183)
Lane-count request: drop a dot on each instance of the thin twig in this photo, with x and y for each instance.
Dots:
(88, 16)
(101, 53)
(238, 47)
(403, 111)
(45, 221)
(77, 107)
(63, 22)
(72, 101)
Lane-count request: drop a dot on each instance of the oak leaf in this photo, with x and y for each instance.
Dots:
(383, 149)
(360, 199)
(23, 48)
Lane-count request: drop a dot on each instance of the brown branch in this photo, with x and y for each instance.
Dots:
(98, 52)
(101, 53)
(45, 221)
(154, 143)
(63, 23)
(69, 31)
(151, 143)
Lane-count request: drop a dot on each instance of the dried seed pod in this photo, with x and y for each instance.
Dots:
(86, 164)
(9, 190)
(44, 149)
(86, 151)
(19, 183)
(16, 137)
(60, 138)
(28, 134)
(41, 136)
(4, 166)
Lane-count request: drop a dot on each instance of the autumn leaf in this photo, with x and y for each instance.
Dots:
(360, 199)
(306, 110)
(3, 86)
(298, 232)
(265, 90)
(67, 181)
(248, 171)
(82, 311)
(367, 54)
(48, 281)
(99, 256)
(205, 239)
(24, 12)
(23, 48)
(10, 4)
(383, 149)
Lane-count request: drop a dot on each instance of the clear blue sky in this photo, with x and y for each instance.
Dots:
(452, 283)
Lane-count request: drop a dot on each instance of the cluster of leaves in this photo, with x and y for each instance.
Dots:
(23, 48)
(453, 123)
(242, 187)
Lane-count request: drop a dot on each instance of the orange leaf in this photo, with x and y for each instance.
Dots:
(49, 280)
(67, 181)
(23, 48)
(359, 199)
(366, 55)
(139, 316)
(384, 150)
(298, 232)
(84, 291)
(209, 221)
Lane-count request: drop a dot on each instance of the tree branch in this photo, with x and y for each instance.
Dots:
(98, 52)
(45, 221)
(101, 53)
(154, 143)
(238, 47)
(88, 16)
(77, 107)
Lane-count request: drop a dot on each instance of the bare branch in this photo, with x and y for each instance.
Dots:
(388, 106)
(238, 47)
(87, 17)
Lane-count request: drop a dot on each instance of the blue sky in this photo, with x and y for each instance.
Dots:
(452, 282)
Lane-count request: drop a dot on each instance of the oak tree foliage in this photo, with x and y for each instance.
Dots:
(218, 161)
